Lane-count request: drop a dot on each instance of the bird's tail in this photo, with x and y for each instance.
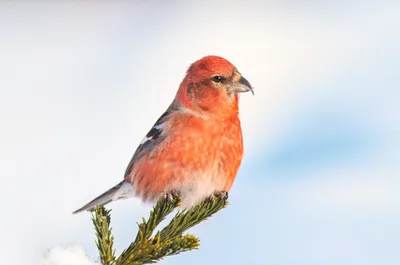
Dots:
(106, 197)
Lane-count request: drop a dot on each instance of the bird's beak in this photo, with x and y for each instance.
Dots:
(241, 86)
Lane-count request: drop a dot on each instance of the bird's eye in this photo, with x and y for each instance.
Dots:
(217, 78)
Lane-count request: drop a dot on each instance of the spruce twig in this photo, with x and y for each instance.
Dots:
(187, 219)
(105, 240)
(163, 207)
(148, 249)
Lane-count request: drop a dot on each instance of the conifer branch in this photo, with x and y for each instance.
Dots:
(186, 219)
(147, 249)
(105, 240)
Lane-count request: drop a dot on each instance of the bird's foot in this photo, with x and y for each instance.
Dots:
(218, 194)
(223, 195)
(172, 196)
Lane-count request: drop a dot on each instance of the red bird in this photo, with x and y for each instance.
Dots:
(195, 148)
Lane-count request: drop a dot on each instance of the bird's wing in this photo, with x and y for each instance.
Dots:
(154, 137)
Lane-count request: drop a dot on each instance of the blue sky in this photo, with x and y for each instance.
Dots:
(83, 83)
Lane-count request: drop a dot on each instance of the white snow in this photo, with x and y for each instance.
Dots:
(68, 255)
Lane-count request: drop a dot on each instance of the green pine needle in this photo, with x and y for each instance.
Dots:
(148, 249)
(105, 240)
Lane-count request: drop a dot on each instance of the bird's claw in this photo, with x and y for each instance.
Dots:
(218, 194)
(172, 196)
(223, 195)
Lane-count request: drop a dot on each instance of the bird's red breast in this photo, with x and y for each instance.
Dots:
(190, 158)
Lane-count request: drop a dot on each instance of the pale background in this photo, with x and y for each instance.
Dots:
(82, 82)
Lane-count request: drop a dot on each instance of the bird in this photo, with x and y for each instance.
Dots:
(195, 148)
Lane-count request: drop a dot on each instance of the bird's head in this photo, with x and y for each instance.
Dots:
(211, 86)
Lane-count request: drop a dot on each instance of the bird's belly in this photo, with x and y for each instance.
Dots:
(192, 165)
(200, 185)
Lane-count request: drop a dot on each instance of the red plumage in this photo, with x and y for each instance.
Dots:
(196, 147)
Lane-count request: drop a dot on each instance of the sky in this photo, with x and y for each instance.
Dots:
(83, 82)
